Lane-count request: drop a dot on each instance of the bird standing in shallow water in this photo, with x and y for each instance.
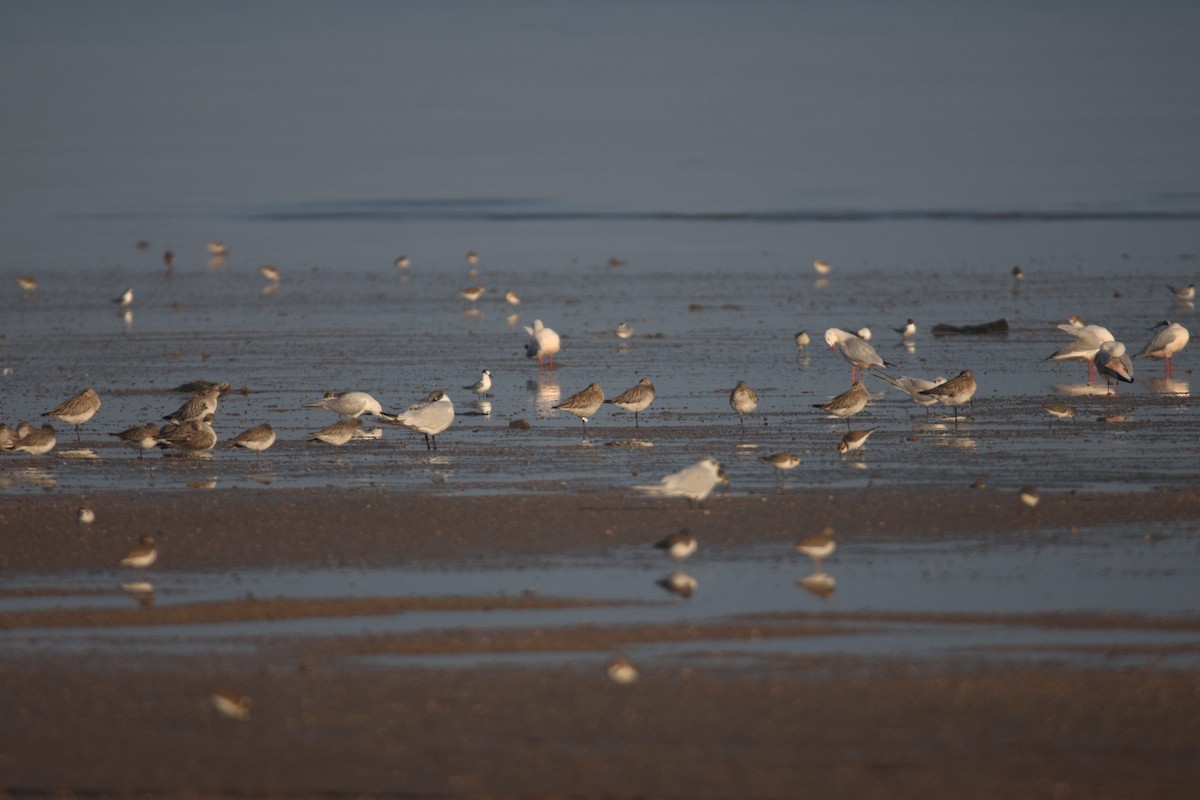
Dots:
(429, 417)
(954, 392)
(854, 349)
(1169, 340)
(583, 404)
(848, 403)
(1113, 363)
(636, 399)
(743, 400)
(818, 546)
(77, 410)
(543, 343)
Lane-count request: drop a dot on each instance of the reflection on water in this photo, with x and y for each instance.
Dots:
(1080, 389)
(33, 477)
(547, 394)
(1166, 386)
(679, 583)
(820, 584)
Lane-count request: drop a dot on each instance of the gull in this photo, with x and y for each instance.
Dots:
(821, 267)
(512, 298)
(853, 440)
(913, 387)
(429, 417)
(77, 410)
(1170, 339)
(349, 404)
(743, 400)
(694, 482)
(679, 545)
(1086, 340)
(258, 438)
(855, 350)
(141, 555)
(543, 343)
(863, 333)
(139, 437)
(954, 392)
(193, 436)
(1186, 294)
(818, 546)
(802, 340)
(635, 399)
(339, 432)
(583, 404)
(848, 403)
(231, 704)
(1113, 363)
(203, 404)
(126, 298)
(907, 329)
(403, 262)
(36, 441)
(624, 330)
(473, 293)
(481, 386)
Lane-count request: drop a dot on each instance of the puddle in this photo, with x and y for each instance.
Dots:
(1113, 571)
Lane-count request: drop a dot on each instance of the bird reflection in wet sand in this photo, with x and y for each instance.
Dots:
(546, 394)
(679, 583)
(818, 546)
(820, 584)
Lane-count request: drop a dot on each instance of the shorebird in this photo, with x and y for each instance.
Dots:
(1169, 340)
(1029, 496)
(126, 298)
(200, 406)
(854, 349)
(818, 546)
(193, 436)
(621, 671)
(782, 461)
(1113, 363)
(694, 482)
(339, 432)
(139, 437)
(77, 410)
(7, 437)
(583, 404)
(512, 298)
(231, 704)
(1018, 274)
(635, 399)
(907, 329)
(472, 257)
(821, 267)
(848, 403)
(481, 386)
(624, 330)
(27, 282)
(912, 387)
(169, 258)
(679, 545)
(270, 272)
(403, 262)
(349, 404)
(743, 400)
(1060, 411)
(802, 340)
(1186, 294)
(85, 515)
(473, 293)
(853, 440)
(543, 343)
(217, 248)
(954, 392)
(141, 555)
(429, 417)
(36, 441)
(258, 438)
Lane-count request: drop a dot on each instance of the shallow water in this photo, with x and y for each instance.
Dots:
(400, 334)
(1117, 570)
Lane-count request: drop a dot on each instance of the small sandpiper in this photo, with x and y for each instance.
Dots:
(679, 545)
(231, 704)
(622, 671)
(1029, 496)
(338, 433)
(854, 440)
(142, 554)
(818, 546)
(139, 437)
(743, 400)
(258, 438)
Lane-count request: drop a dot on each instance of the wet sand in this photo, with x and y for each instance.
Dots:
(328, 721)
